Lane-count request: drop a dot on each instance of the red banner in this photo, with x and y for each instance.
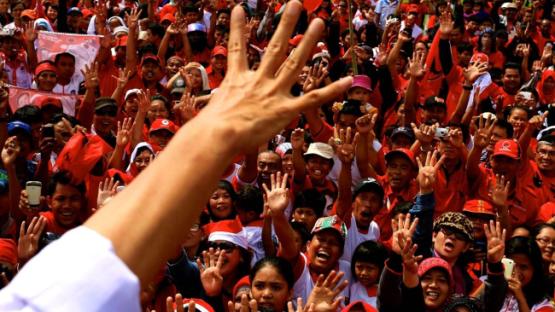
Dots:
(20, 97)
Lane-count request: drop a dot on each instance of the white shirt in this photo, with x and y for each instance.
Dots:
(79, 272)
(71, 88)
(359, 292)
(355, 237)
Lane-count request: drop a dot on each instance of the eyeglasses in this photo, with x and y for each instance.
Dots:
(458, 235)
(223, 246)
(545, 241)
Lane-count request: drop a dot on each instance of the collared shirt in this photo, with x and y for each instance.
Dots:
(450, 190)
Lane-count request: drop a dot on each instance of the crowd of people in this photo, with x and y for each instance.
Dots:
(428, 185)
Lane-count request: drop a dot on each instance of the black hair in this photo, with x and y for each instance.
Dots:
(282, 266)
(250, 198)
(156, 29)
(458, 301)
(63, 178)
(464, 46)
(369, 251)
(509, 110)
(29, 114)
(502, 123)
(538, 228)
(351, 107)
(301, 229)
(401, 208)
(222, 28)
(223, 11)
(59, 116)
(536, 290)
(493, 46)
(59, 56)
(511, 65)
(312, 199)
(226, 186)
(14, 4)
(164, 99)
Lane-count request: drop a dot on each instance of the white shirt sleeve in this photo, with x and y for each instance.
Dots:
(79, 272)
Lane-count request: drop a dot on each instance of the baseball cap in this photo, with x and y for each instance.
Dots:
(479, 58)
(296, 40)
(368, 184)
(455, 221)
(178, 86)
(18, 125)
(320, 149)
(163, 124)
(131, 92)
(509, 5)
(103, 102)
(31, 14)
(87, 12)
(330, 223)
(43, 101)
(74, 10)
(478, 206)
(196, 27)
(168, 17)
(42, 23)
(150, 58)
(406, 131)
(413, 8)
(219, 50)
(403, 152)
(435, 263)
(362, 81)
(507, 147)
(433, 101)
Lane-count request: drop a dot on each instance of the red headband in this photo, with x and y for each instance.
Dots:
(45, 67)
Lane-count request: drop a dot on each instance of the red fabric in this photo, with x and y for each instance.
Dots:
(51, 224)
(549, 96)
(81, 153)
(8, 251)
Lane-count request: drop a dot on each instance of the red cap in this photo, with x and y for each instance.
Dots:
(219, 50)
(29, 13)
(435, 263)
(45, 67)
(478, 206)
(507, 147)
(43, 101)
(479, 58)
(150, 57)
(168, 17)
(243, 282)
(296, 40)
(121, 41)
(404, 152)
(163, 124)
(359, 305)
(200, 305)
(86, 13)
(8, 251)
(413, 8)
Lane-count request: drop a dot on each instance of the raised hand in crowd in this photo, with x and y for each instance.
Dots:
(28, 243)
(324, 295)
(277, 195)
(106, 189)
(210, 276)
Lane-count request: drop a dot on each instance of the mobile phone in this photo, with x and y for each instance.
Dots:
(441, 133)
(47, 131)
(509, 266)
(33, 189)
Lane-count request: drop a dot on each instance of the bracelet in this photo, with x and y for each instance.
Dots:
(469, 88)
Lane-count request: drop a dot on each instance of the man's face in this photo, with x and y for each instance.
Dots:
(151, 71)
(10, 46)
(305, 215)
(497, 134)
(131, 106)
(221, 37)
(399, 171)
(268, 164)
(545, 157)
(318, 168)
(366, 205)
(219, 62)
(61, 134)
(504, 165)
(46, 81)
(104, 121)
(191, 17)
(511, 80)
(173, 66)
(66, 67)
(74, 20)
(161, 137)
(545, 28)
(66, 204)
(223, 19)
(324, 250)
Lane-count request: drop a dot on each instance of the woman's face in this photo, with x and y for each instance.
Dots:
(52, 13)
(231, 259)
(196, 78)
(486, 41)
(221, 205)
(523, 268)
(421, 48)
(157, 110)
(518, 119)
(435, 286)
(16, 12)
(367, 273)
(546, 242)
(143, 160)
(548, 85)
(270, 289)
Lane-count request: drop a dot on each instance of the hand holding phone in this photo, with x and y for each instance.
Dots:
(509, 266)
(33, 189)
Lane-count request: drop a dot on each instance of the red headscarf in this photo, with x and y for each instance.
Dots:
(549, 96)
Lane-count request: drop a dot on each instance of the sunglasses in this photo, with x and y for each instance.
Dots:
(223, 246)
(458, 235)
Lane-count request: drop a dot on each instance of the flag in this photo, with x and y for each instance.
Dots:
(20, 97)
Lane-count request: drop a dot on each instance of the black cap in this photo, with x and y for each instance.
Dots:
(368, 184)
(103, 102)
(406, 131)
(433, 101)
(351, 107)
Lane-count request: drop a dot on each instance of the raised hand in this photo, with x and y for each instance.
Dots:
(246, 305)
(28, 243)
(500, 192)
(446, 23)
(427, 172)
(316, 76)
(300, 308)
(323, 296)
(410, 263)
(122, 78)
(547, 53)
(345, 143)
(106, 189)
(10, 151)
(124, 132)
(496, 241)
(455, 137)
(297, 139)
(483, 133)
(417, 65)
(424, 134)
(144, 101)
(402, 231)
(537, 121)
(90, 72)
(30, 33)
(133, 18)
(277, 197)
(186, 108)
(515, 286)
(173, 29)
(210, 276)
(473, 71)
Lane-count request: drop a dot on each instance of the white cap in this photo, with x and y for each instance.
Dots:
(131, 92)
(320, 149)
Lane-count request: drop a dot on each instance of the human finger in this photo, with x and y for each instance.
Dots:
(236, 47)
